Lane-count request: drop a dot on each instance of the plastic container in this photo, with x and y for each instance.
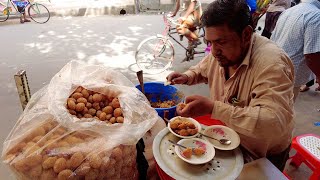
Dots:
(156, 91)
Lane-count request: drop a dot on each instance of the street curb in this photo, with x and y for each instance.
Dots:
(85, 11)
(108, 10)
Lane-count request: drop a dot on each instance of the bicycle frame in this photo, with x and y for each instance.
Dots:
(15, 6)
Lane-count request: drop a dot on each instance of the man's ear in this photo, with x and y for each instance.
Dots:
(247, 34)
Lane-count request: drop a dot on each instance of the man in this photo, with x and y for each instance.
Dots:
(190, 19)
(273, 12)
(297, 32)
(250, 81)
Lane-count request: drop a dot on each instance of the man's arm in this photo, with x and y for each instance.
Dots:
(198, 73)
(313, 62)
(311, 46)
(270, 107)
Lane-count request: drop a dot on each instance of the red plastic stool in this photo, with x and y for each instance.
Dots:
(308, 152)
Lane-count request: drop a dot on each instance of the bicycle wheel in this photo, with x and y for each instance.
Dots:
(154, 55)
(39, 13)
(4, 13)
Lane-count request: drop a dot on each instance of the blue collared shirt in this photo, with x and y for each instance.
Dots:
(298, 33)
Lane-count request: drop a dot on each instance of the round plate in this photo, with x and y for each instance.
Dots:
(222, 132)
(226, 165)
(196, 123)
(196, 143)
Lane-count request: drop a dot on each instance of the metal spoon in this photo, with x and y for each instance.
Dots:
(178, 144)
(222, 141)
(193, 149)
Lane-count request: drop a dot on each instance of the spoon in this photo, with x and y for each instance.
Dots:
(193, 149)
(140, 78)
(222, 141)
(178, 144)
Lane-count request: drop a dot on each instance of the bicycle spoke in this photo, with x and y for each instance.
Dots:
(146, 49)
(36, 8)
(154, 55)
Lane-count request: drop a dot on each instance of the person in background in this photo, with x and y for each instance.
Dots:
(253, 5)
(273, 12)
(250, 80)
(189, 20)
(21, 5)
(297, 32)
(307, 86)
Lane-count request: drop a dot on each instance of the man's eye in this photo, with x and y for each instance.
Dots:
(221, 42)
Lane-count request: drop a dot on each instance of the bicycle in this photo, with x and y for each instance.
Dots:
(37, 12)
(159, 49)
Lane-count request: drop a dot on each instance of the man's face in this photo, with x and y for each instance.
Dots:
(228, 48)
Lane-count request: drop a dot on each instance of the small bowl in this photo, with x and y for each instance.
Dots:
(196, 123)
(193, 143)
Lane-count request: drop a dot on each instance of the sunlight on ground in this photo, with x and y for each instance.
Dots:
(135, 30)
(42, 47)
(81, 55)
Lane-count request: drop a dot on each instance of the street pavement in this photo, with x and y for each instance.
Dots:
(42, 50)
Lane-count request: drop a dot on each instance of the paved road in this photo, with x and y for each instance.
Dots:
(42, 50)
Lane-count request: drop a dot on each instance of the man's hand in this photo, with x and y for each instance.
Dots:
(177, 78)
(196, 106)
(171, 14)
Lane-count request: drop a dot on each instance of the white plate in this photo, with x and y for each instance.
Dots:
(226, 165)
(195, 143)
(222, 132)
(196, 123)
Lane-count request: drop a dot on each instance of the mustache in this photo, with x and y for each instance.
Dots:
(219, 57)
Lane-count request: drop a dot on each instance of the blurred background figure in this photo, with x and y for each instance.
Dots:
(189, 20)
(253, 5)
(21, 5)
(297, 32)
(307, 86)
(272, 14)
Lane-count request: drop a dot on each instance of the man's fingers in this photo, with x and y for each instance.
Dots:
(171, 76)
(191, 98)
(177, 80)
(183, 111)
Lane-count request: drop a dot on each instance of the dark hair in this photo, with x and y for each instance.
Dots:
(234, 13)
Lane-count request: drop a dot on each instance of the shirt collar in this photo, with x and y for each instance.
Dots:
(314, 2)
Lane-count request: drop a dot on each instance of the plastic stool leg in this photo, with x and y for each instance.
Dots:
(296, 160)
(315, 176)
(284, 173)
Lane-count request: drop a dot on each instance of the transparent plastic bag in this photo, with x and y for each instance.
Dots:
(48, 142)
